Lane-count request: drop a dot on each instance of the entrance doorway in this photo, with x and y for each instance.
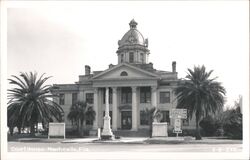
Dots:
(126, 119)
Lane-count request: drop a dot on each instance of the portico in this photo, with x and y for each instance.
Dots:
(124, 106)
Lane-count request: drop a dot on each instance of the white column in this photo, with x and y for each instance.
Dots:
(118, 102)
(154, 96)
(107, 102)
(95, 124)
(134, 110)
(100, 111)
(114, 112)
(106, 127)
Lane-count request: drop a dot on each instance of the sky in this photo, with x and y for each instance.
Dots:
(59, 39)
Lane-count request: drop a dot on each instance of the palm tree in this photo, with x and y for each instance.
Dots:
(30, 102)
(79, 113)
(90, 114)
(200, 94)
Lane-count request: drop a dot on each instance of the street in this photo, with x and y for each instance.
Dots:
(107, 147)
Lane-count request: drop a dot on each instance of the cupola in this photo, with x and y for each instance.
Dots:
(133, 48)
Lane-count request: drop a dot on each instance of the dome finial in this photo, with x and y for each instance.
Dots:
(133, 24)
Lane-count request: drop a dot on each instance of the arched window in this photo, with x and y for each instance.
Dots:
(123, 73)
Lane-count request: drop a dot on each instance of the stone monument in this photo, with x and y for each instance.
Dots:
(107, 132)
(159, 129)
(56, 130)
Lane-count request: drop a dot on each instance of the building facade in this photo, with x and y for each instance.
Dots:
(133, 86)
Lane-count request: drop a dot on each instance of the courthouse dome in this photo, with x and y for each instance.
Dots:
(133, 36)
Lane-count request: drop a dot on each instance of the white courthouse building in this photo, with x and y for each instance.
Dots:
(133, 85)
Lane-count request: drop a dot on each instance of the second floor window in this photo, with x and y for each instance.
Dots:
(74, 98)
(145, 95)
(126, 96)
(61, 99)
(110, 96)
(164, 97)
(90, 98)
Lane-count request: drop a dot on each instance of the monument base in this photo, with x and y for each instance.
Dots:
(107, 137)
(160, 129)
(107, 133)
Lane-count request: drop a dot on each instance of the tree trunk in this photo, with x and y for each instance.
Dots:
(150, 127)
(198, 135)
(78, 126)
(32, 129)
(36, 128)
(11, 130)
(19, 130)
(81, 130)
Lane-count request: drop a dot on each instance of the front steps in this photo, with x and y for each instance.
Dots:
(129, 133)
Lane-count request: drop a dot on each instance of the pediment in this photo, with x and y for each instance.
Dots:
(125, 71)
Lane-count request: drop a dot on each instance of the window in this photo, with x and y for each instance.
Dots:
(126, 96)
(165, 116)
(88, 122)
(124, 73)
(74, 98)
(144, 118)
(61, 99)
(89, 98)
(110, 115)
(142, 57)
(164, 97)
(131, 57)
(122, 58)
(145, 95)
(110, 96)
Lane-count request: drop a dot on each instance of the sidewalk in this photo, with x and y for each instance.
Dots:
(190, 140)
(124, 140)
(155, 140)
(133, 140)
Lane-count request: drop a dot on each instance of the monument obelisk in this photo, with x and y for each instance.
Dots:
(107, 132)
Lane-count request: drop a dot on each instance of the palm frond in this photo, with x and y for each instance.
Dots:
(199, 93)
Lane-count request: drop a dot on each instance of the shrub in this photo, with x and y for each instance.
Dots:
(219, 132)
(209, 126)
(72, 133)
(233, 125)
(189, 132)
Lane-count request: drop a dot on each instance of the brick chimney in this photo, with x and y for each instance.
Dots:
(174, 66)
(87, 70)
